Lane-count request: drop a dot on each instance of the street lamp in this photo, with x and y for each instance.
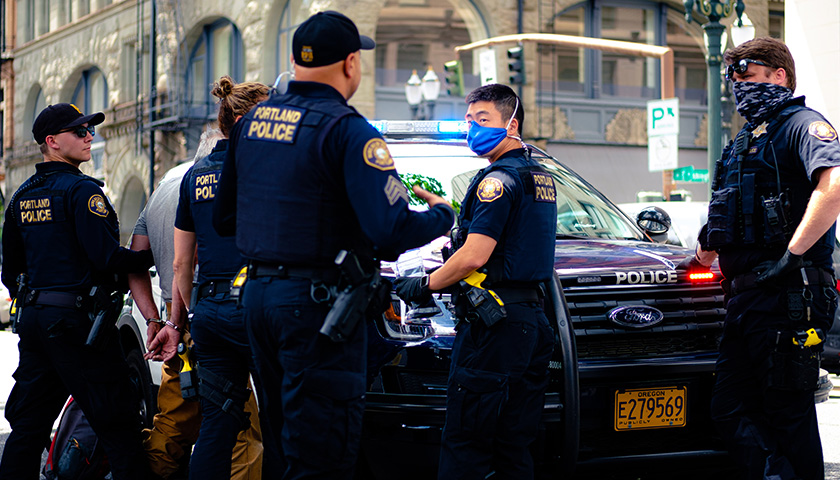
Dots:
(714, 10)
(421, 95)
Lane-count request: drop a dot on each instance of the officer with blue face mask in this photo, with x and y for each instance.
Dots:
(775, 198)
(500, 357)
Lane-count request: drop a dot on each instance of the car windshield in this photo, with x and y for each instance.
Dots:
(581, 210)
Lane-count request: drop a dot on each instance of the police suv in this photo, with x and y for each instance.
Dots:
(637, 340)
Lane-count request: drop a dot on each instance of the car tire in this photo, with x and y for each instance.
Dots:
(142, 379)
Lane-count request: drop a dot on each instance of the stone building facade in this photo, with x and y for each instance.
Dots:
(588, 109)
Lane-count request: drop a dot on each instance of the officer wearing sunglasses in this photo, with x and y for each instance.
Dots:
(61, 234)
(775, 198)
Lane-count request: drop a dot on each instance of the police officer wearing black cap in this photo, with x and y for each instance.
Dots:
(507, 230)
(61, 234)
(775, 198)
(307, 177)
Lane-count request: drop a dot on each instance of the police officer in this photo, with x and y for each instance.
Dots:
(775, 198)
(305, 178)
(499, 370)
(217, 325)
(61, 232)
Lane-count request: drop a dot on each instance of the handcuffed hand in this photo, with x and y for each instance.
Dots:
(411, 290)
(165, 345)
(772, 273)
(152, 329)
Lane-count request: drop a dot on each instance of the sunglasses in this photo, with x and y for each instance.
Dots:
(81, 131)
(741, 66)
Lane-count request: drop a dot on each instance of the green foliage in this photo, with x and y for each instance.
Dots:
(429, 184)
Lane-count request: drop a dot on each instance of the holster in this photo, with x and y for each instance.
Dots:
(480, 304)
(106, 312)
(794, 368)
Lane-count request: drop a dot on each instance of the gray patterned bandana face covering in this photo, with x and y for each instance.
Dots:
(756, 101)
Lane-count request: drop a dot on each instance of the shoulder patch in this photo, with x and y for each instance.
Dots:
(376, 155)
(823, 131)
(96, 205)
(490, 189)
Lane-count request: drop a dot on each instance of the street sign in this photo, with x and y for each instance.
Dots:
(662, 153)
(663, 117)
(487, 66)
(690, 174)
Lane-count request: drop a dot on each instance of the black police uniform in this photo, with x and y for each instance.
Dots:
(217, 323)
(307, 176)
(63, 233)
(763, 402)
(499, 374)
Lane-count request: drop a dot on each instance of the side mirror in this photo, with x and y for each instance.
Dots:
(655, 222)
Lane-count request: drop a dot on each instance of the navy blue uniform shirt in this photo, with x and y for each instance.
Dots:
(218, 257)
(513, 201)
(796, 148)
(63, 232)
(306, 176)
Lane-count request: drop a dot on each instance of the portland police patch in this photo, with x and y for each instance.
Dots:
(96, 204)
(376, 155)
(490, 189)
(823, 131)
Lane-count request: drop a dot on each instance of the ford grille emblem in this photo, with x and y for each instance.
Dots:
(636, 316)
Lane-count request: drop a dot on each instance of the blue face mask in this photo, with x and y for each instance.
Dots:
(482, 140)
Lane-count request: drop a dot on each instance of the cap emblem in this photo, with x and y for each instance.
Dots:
(306, 54)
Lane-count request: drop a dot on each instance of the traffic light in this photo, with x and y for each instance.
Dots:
(454, 78)
(516, 65)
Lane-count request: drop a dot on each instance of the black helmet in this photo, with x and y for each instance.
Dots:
(653, 220)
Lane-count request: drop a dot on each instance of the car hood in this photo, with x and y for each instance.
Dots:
(591, 261)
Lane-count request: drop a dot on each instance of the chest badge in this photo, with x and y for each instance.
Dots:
(490, 189)
(760, 130)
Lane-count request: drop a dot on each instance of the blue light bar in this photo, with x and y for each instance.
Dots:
(421, 127)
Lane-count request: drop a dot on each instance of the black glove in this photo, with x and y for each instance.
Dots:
(691, 263)
(413, 289)
(773, 273)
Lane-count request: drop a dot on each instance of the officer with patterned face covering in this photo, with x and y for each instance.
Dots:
(307, 177)
(775, 198)
(507, 229)
(61, 236)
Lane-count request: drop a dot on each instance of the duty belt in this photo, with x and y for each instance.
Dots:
(742, 283)
(55, 299)
(517, 294)
(215, 287)
(328, 275)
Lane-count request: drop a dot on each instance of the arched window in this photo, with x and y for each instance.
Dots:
(91, 95)
(284, 40)
(39, 104)
(217, 52)
(411, 35)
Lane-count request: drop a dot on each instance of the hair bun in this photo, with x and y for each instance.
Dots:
(223, 88)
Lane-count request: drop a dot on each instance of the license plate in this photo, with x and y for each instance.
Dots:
(642, 408)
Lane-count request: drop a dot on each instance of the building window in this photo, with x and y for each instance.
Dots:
(91, 95)
(217, 52)
(413, 34)
(284, 40)
(39, 104)
(597, 74)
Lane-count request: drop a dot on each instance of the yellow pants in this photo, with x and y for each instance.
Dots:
(176, 429)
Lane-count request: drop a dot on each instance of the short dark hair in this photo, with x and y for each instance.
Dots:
(769, 50)
(503, 98)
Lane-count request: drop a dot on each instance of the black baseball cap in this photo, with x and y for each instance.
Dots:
(61, 116)
(327, 37)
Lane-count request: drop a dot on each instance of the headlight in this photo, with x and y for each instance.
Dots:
(402, 323)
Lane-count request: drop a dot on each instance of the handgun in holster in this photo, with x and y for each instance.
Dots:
(352, 303)
(106, 312)
(16, 307)
(188, 375)
(484, 303)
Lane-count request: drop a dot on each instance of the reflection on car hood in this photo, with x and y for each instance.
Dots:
(588, 257)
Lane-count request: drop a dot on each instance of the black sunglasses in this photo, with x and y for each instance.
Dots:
(741, 66)
(81, 131)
